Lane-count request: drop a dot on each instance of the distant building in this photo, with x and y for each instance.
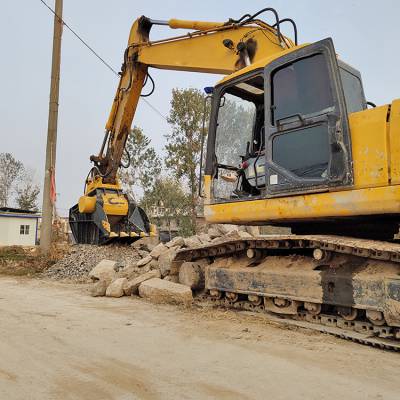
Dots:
(18, 227)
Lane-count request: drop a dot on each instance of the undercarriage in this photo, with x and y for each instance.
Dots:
(338, 285)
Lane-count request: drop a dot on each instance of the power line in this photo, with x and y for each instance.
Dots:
(98, 56)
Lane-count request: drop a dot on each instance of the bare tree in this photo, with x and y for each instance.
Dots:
(27, 192)
(10, 170)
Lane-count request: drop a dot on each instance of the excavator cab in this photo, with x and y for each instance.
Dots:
(283, 128)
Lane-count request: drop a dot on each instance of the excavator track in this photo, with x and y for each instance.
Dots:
(383, 337)
(359, 247)
(371, 286)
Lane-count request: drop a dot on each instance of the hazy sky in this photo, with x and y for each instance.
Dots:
(365, 33)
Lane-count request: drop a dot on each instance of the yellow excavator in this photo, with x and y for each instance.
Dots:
(291, 142)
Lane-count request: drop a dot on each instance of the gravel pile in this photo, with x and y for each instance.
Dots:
(82, 258)
(141, 257)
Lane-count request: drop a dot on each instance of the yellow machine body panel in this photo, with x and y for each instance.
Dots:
(87, 204)
(97, 183)
(115, 204)
(370, 147)
(345, 203)
(394, 142)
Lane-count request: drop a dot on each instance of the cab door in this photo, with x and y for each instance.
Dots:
(307, 131)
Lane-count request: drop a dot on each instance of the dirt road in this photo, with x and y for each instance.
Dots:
(56, 342)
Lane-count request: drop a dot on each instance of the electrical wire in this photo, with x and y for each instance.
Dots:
(81, 40)
(99, 57)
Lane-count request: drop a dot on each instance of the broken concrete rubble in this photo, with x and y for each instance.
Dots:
(172, 278)
(176, 241)
(99, 288)
(192, 241)
(131, 287)
(162, 291)
(191, 274)
(116, 288)
(144, 261)
(156, 252)
(146, 243)
(105, 271)
(165, 260)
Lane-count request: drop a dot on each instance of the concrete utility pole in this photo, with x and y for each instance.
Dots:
(48, 188)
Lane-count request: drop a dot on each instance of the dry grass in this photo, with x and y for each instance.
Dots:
(19, 260)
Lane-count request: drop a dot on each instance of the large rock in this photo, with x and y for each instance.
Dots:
(165, 261)
(213, 233)
(172, 278)
(192, 241)
(153, 264)
(177, 241)
(244, 235)
(128, 272)
(204, 238)
(104, 271)
(99, 288)
(235, 235)
(253, 230)
(116, 288)
(143, 253)
(224, 229)
(158, 250)
(191, 274)
(162, 291)
(146, 243)
(131, 287)
(144, 261)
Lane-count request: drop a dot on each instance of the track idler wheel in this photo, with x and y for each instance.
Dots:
(231, 296)
(254, 299)
(322, 255)
(348, 313)
(313, 308)
(375, 317)
(216, 294)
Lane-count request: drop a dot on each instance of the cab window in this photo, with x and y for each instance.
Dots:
(300, 88)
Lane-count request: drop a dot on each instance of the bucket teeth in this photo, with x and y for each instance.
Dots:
(113, 235)
(123, 234)
(143, 234)
(134, 234)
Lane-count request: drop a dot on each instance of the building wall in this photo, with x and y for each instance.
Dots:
(10, 227)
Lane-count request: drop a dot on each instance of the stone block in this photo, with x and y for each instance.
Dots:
(104, 270)
(115, 289)
(162, 291)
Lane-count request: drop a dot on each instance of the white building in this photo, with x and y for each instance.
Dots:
(18, 227)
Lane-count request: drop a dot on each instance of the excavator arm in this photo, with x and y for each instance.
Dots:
(104, 212)
(217, 48)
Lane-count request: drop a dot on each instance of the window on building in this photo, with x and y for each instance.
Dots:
(24, 229)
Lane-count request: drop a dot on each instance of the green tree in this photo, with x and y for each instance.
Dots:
(184, 142)
(169, 205)
(144, 164)
(10, 170)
